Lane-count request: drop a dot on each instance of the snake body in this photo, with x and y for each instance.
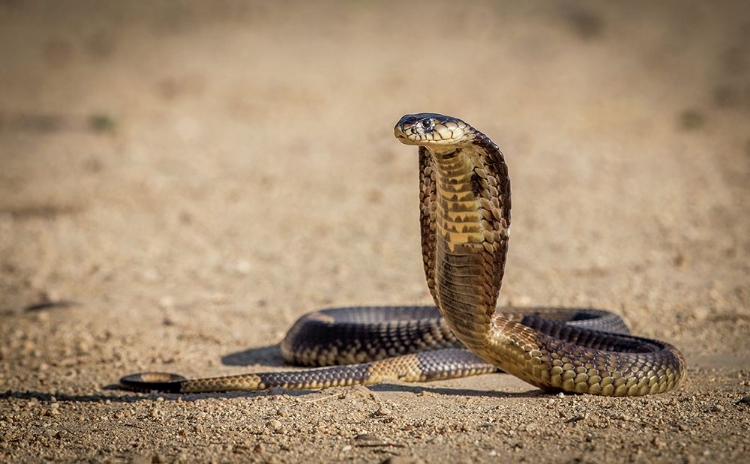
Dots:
(465, 223)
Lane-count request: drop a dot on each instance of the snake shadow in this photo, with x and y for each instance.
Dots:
(131, 397)
(425, 387)
(269, 355)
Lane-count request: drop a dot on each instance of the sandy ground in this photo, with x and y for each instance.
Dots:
(193, 176)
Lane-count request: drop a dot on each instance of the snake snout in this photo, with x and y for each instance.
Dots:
(398, 131)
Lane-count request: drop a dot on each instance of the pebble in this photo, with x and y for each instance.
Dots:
(274, 425)
(658, 443)
(243, 267)
(383, 411)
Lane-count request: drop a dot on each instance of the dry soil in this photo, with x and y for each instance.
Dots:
(180, 180)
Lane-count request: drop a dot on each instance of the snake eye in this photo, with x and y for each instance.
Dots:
(428, 124)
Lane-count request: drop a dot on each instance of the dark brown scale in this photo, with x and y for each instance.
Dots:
(476, 184)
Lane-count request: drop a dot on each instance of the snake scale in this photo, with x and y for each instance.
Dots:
(465, 221)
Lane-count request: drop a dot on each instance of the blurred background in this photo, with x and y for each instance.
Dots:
(191, 162)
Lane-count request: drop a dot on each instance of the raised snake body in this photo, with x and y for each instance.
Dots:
(465, 221)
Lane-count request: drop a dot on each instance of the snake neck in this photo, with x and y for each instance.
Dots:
(472, 217)
(459, 220)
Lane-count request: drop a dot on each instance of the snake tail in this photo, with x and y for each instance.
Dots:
(419, 367)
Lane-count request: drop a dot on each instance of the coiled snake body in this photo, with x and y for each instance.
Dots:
(465, 221)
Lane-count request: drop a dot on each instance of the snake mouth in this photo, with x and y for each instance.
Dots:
(408, 139)
(399, 133)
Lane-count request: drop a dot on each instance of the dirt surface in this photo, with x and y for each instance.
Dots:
(190, 177)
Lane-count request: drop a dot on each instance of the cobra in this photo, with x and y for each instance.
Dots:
(465, 201)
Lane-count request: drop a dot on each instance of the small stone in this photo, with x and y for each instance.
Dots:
(283, 411)
(166, 302)
(274, 425)
(243, 267)
(658, 443)
(701, 313)
(718, 408)
(383, 411)
(346, 448)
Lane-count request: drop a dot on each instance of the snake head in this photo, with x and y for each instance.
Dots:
(433, 130)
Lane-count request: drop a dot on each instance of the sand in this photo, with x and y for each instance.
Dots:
(180, 181)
